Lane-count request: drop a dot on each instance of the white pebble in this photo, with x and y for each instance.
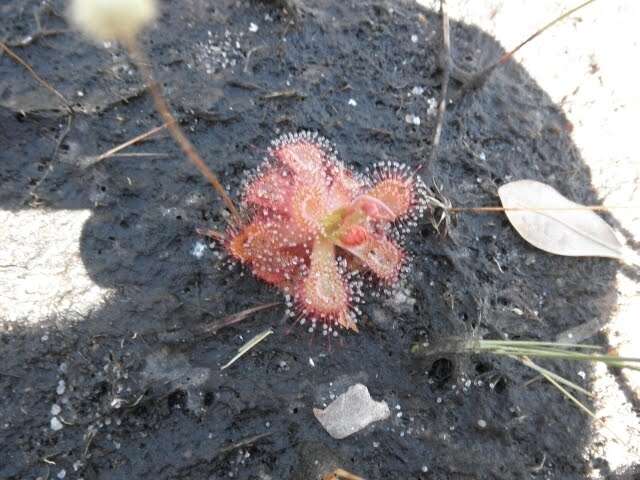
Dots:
(482, 423)
(56, 424)
(55, 409)
(198, 249)
(60, 389)
(414, 38)
(62, 473)
(432, 105)
(413, 119)
(353, 103)
(311, 362)
(253, 28)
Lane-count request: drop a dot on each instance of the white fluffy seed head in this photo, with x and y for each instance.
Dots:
(105, 20)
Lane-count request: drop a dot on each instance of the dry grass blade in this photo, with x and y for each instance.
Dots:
(243, 443)
(238, 317)
(246, 347)
(140, 155)
(553, 223)
(133, 141)
(550, 379)
(556, 377)
(37, 77)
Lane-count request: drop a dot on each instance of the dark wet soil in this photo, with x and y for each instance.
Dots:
(144, 395)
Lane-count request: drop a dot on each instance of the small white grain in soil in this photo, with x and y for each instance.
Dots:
(414, 38)
(432, 105)
(60, 389)
(253, 28)
(55, 409)
(482, 423)
(412, 119)
(353, 103)
(56, 424)
(198, 249)
(62, 473)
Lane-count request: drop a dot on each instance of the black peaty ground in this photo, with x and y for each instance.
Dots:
(145, 397)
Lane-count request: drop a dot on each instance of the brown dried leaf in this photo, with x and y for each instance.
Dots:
(555, 224)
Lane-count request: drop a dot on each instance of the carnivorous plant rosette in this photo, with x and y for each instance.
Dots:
(316, 230)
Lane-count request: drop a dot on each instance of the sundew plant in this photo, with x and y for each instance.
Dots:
(320, 232)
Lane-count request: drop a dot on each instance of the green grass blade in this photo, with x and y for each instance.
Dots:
(530, 343)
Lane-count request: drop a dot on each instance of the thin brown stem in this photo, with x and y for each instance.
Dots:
(596, 208)
(446, 73)
(478, 79)
(181, 139)
(14, 56)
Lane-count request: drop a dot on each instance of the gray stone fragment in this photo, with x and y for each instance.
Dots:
(351, 412)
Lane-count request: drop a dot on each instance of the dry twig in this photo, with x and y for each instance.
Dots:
(595, 208)
(14, 56)
(446, 73)
(478, 79)
(175, 130)
(32, 191)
